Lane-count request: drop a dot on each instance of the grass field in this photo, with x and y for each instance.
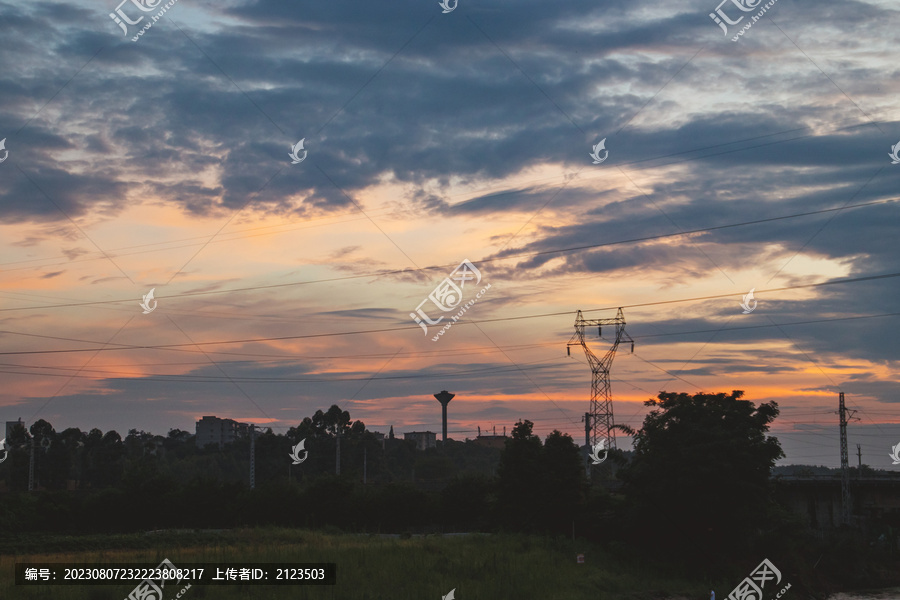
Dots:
(369, 567)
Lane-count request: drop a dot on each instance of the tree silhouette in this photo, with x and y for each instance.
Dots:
(700, 473)
(564, 483)
(540, 487)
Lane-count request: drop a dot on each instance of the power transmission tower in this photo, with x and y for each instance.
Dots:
(599, 420)
(846, 506)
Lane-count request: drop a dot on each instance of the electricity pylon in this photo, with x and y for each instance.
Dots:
(846, 503)
(601, 413)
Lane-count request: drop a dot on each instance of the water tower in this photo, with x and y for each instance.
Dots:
(444, 397)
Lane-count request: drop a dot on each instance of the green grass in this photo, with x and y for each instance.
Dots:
(480, 567)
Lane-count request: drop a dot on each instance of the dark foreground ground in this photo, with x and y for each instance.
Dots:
(376, 567)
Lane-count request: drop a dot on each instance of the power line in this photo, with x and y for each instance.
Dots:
(768, 326)
(246, 379)
(483, 260)
(150, 246)
(603, 175)
(478, 350)
(471, 322)
(483, 191)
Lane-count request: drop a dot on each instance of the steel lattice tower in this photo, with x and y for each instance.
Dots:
(846, 503)
(601, 412)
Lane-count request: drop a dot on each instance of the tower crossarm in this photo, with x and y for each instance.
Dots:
(600, 364)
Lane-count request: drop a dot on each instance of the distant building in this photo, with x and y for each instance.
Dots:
(491, 441)
(213, 430)
(423, 439)
(11, 424)
(817, 501)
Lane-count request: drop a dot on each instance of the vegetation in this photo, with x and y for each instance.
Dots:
(696, 495)
(371, 567)
(701, 471)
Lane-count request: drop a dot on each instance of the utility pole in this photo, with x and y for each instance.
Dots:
(859, 460)
(337, 456)
(365, 463)
(252, 456)
(846, 506)
(31, 468)
(587, 447)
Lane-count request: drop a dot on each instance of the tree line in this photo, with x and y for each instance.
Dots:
(698, 479)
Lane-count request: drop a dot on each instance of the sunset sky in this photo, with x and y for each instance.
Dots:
(435, 138)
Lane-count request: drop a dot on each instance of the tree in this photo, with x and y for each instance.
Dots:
(18, 444)
(358, 429)
(465, 504)
(304, 430)
(18, 435)
(72, 439)
(540, 487)
(178, 434)
(700, 473)
(136, 442)
(42, 430)
(44, 437)
(106, 457)
(520, 473)
(564, 483)
(336, 420)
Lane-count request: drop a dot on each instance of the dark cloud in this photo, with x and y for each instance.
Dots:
(485, 114)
